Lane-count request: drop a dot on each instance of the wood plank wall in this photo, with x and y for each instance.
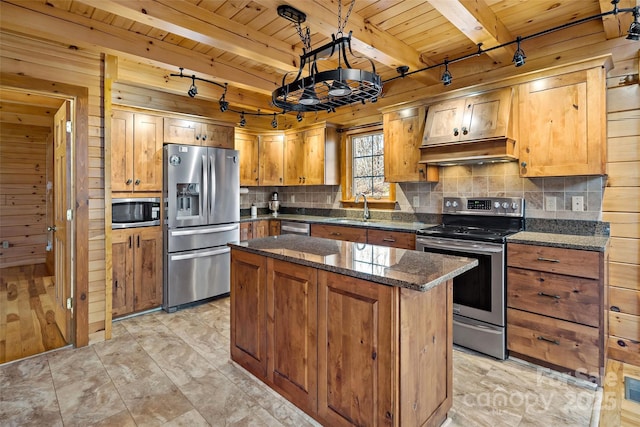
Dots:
(621, 207)
(70, 65)
(23, 207)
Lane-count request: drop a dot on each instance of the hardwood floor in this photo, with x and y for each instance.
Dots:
(27, 316)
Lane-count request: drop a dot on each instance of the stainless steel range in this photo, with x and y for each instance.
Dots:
(478, 228)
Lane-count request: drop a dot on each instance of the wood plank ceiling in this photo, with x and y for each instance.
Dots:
(246, 44)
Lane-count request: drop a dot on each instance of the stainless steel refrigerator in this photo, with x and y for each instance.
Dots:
(202, 213)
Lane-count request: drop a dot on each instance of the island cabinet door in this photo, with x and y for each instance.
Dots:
(355, 352)
(292, 331)
(248, 318)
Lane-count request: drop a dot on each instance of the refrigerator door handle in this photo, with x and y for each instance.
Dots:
(199, 254)
(212, 194)
(205, 191)
(188, 232)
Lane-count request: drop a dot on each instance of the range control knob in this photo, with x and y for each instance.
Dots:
(455, 204)
(447, 204)
(496, 205)
(514, 206)
(505, 205)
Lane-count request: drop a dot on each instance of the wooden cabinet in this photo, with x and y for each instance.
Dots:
(555, 314)
(271, 160)
(137, 269)
(563, 125)
(254, 229)
(274, 227)
(248, 311)
(136, 152)
(247, 145)
(195, 132)
(292, 332)
(311, 157)
(403, 131)
(395, 239)
(339, 232)
(483, 116)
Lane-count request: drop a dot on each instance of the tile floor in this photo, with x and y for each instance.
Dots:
(174, 370)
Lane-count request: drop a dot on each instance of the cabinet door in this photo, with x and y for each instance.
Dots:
(248, 318)
(274, 227)
(148, 268)
(394, 239)
(444, 122)
(563, 125)
(122, 272)
(294, 159)
(213, 135)
(246, 231)
(147, 142)
(247, 145)
(178, 131)
(122, 151)
(260, 228)
(314, 157)
(292, 332)
(339, 232)
(271, 152)
(487, 115)
(355, 351)
(403, 131)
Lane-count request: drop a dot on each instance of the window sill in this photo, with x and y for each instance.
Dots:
(373, 203)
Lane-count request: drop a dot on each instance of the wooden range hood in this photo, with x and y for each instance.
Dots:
(483, 151)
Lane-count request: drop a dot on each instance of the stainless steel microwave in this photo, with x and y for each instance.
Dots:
(135, 212)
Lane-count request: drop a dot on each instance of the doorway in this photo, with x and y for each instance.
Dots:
(36, 154)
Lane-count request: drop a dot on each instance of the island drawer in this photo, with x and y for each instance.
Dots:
(554, 260)
(339, 232)
(570, 298)
(555, 341)
(396, 239)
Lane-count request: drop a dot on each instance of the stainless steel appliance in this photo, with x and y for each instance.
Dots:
(292, 227)
(478, 228)
(274, 203)
(135, 212)
(202, 214)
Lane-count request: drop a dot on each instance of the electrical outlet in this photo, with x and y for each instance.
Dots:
(549, 203)
(328, 200)
(577, 203)
(293, 198)
(5, 244)
(416, 201)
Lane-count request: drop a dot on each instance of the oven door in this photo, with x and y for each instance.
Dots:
(479, 293)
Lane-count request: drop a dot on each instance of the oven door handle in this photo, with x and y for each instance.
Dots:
(467, 247)
(479, 328)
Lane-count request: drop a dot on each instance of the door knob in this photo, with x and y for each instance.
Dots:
(51, 228)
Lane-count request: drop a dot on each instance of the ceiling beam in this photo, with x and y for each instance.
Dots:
(475, 20)
(367, 39)
(617, 25)
(198, 24)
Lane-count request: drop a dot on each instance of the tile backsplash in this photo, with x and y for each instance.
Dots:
(498, 179)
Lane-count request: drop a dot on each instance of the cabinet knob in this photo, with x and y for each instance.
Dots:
(523, 164)
(204, 137)
(137, 182)
(465, 131)
(129, 181)
(456, 132)
(197, 137)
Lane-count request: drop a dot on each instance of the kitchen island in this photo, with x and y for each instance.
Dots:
(352, 334)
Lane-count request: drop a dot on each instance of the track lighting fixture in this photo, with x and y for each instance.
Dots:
(243, 121)
(224, 105)
(299, 117)
(446, 76)
(274, 122)
(193, 90)
(634, 28)
(519, 56)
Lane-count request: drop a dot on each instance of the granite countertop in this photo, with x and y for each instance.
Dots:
(414, 270)
(351, 222)
(567, 241)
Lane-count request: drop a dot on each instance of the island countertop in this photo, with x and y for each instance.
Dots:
(410, 269)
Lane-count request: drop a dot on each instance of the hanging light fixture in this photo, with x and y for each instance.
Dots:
(446, 76)
(193, 90)
(274, 122)
(299, 117)
(243, 121)
(314, 90)
(634, 28)
(519, 56)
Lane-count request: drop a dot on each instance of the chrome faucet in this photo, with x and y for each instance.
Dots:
(365, 215)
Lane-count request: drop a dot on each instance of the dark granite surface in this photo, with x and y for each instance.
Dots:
(567, 226)
(381, 224)
(414, 270)
(567, 241)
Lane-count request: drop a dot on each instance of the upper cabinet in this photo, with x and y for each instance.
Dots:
(270, 159)
(247, 145)
(403, 130)
(563, 125)
(136, 152)
(483, 116)
(196, 132)
(311, 157)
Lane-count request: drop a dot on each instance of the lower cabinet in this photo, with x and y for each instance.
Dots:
(254, 229)
(395, 239)
(137, 269)
(345, 350)
(339, 232)
(372, 236)
(274, 227)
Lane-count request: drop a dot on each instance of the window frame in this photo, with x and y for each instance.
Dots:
(348, 197)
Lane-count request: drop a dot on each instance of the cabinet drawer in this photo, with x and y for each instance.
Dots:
(555, 341)
(570, 298)
(339, 232)
(554, 260)
(396, 239)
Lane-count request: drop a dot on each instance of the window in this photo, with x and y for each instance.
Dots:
(368, 165)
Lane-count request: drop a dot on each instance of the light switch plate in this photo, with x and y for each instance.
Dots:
(416, 201)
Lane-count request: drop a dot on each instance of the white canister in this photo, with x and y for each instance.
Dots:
(254, 211)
